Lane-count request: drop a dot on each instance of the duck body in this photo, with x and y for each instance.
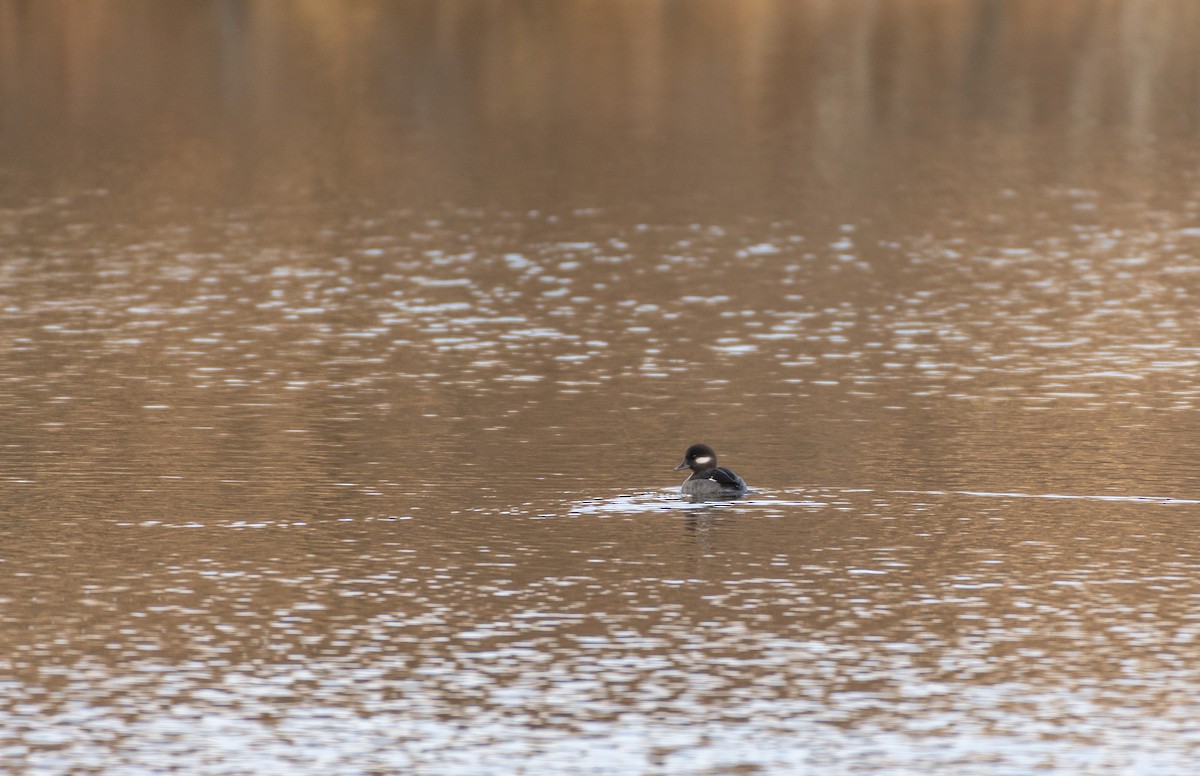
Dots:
(708, 479)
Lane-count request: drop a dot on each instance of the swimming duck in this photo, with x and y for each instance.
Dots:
(707, 478)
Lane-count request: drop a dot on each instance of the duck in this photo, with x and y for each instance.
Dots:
(708, 479)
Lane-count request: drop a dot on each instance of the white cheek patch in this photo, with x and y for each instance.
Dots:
(703, 460)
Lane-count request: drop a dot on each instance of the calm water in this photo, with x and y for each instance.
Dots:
(347, 350)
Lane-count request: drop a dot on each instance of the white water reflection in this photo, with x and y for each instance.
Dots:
(770, 736)
(672, 501)
(1060, 496)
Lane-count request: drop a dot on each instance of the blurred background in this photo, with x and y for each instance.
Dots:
(778, 106)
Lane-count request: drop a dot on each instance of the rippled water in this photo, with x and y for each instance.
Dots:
(339, 411)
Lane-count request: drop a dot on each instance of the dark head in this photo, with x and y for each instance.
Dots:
(698, 458)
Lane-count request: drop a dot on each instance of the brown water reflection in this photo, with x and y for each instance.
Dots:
(790, 105)
(348, 349)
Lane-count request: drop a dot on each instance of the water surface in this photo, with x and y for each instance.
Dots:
(347, 353)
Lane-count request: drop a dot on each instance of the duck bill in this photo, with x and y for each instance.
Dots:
(683, 465)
